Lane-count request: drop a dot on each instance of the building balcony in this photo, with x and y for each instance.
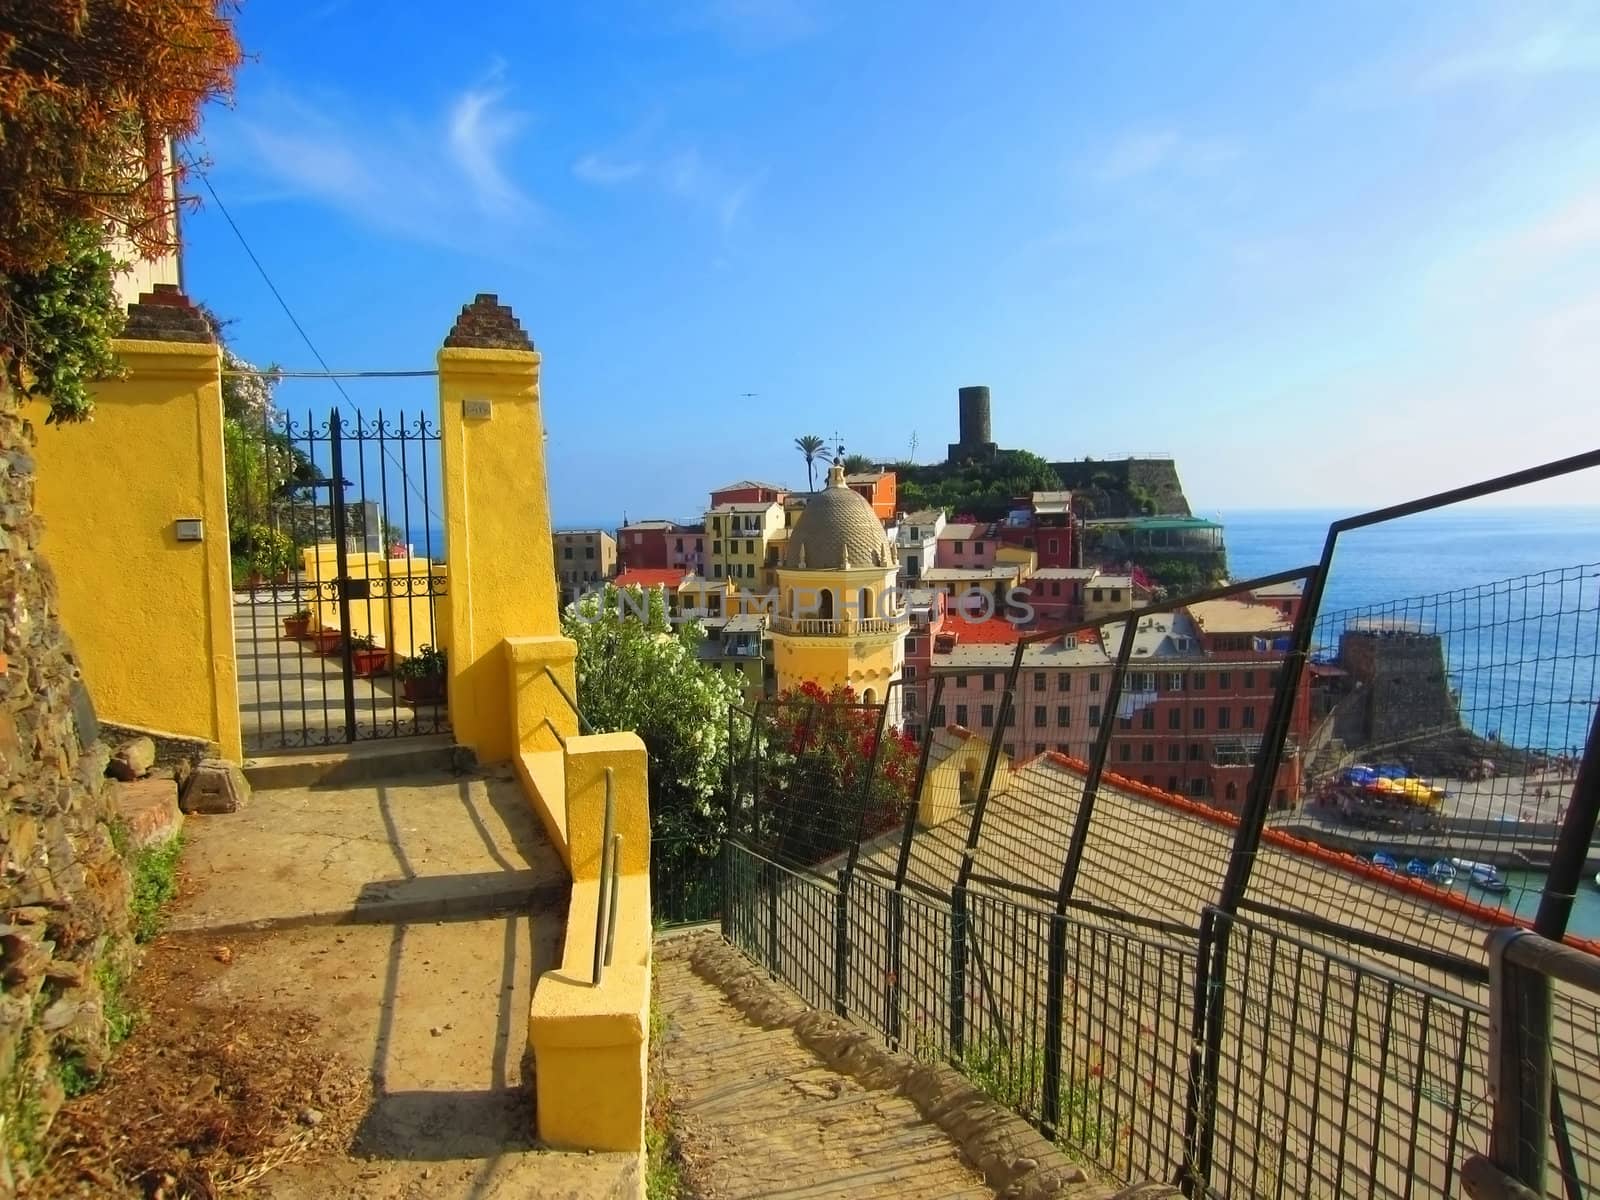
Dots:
(848, 626)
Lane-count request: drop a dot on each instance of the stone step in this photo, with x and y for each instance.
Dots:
(362, 762)
(148, 809)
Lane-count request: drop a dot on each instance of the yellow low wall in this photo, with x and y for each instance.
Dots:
(151, 617)
(399, 614)
(590, 1041)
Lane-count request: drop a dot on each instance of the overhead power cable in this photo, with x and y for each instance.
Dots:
(327, 372)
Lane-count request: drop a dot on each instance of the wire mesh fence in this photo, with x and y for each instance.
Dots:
(1172, 883)
(1338, 1076)
(1444, 747)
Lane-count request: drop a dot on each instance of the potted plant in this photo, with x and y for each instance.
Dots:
(328, 641)
(244, 575)
(367, 658)
(422, 676)
(270, 555)
(297, 624)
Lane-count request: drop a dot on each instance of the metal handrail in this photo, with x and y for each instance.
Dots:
(583, 726)
(1527, 1101)
(605, 909)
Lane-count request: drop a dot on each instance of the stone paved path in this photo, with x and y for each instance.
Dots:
(760, 1116)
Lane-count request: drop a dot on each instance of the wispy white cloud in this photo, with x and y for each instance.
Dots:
(1143, 152)
(690, 177)
(1569, 228)
(406, 174)
(599, 169)
(481, 127)
(685, 175)
(1541, 52)
(757, 24)
(1516, 47)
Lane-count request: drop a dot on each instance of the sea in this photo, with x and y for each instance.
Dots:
(1516, 593)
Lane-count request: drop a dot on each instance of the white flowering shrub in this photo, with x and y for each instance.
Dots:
(645, 675)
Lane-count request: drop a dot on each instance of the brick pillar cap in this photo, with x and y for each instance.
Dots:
(165, 314)
(486, 324)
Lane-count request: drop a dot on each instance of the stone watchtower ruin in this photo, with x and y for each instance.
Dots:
(976, 442)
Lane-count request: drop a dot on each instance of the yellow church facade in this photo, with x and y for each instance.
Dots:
(839, 619)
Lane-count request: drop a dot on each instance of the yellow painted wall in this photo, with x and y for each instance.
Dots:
(399, 613)
(943, 791)
(497, 527)
(831, 662)
(151, 617)
(741, 556)
(1017, 556)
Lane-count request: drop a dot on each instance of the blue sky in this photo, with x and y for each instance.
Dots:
(1325, 257)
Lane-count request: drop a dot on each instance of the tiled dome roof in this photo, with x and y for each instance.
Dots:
(836, 523)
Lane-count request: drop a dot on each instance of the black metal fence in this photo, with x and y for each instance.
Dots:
(338, 577)
(685, 882)
(1250, 992)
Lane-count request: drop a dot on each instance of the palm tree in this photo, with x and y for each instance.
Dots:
(809, 446)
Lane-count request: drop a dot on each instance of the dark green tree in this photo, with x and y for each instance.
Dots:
(809, 445)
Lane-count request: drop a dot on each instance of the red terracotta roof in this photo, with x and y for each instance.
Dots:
(650, 577)
(997, 631)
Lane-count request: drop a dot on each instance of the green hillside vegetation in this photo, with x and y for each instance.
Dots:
(985, 490)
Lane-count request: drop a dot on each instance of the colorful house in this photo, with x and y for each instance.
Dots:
(748, 491)
(644, 544)
(739, 533)
(918, 540)
(878, 488)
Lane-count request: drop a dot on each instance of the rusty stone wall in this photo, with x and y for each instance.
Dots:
(64, 889)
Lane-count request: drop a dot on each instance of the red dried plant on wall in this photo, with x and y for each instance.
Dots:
(90, 92)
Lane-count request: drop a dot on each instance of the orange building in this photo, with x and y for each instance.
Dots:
(877, 488)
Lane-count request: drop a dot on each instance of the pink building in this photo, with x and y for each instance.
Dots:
(1060, 702)
(686, 548)
(967, 545)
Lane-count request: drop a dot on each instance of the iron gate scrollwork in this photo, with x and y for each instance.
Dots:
(339, 578)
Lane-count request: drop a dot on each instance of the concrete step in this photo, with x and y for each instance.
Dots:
(362, 762)
(429, 847)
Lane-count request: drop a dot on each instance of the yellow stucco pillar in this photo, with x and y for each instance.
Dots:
(136, 528)
(497, 518)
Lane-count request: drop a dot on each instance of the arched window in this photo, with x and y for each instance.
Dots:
(865, 601)
(825, 604)
(870, 696)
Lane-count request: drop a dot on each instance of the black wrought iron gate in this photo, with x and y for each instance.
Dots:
(339, 577)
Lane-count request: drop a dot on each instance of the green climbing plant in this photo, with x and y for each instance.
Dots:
(57, 324)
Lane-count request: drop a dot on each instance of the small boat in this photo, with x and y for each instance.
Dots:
(1442, 873)
(1487, 878)
(1597, 880)
(1387, 862)
(1418, 868)
(1466, 864)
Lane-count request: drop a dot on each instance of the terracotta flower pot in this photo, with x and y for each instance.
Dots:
(369, 661)
(296, 627)
(328, 641)
(428, 689)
